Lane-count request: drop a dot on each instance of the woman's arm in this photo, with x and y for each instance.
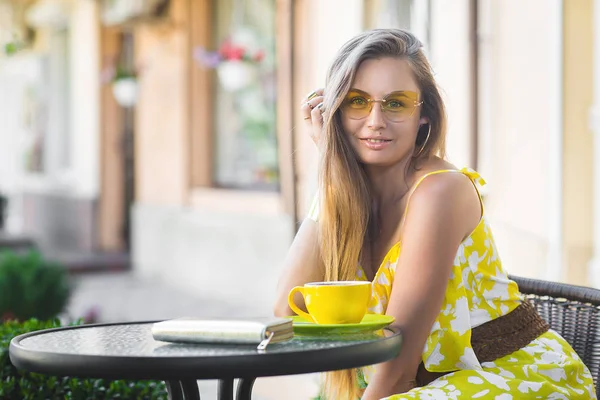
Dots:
(443, 210)
(303, 264)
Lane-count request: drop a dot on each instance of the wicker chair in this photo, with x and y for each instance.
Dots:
(573, 311)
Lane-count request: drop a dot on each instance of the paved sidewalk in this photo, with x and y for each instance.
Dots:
(122, 296)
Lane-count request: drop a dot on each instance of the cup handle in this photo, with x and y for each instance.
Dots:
(293, 305)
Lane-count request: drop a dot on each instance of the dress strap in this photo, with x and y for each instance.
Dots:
(474, 176)
(313, 211)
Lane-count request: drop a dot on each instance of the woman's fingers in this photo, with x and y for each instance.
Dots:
(311, 101)
(313, 94)
(312, 112)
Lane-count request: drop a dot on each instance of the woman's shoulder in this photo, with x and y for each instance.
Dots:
(441, 188)
(441, 176)
(447, 190)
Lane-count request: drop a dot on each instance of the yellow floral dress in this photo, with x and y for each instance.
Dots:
(478, 291)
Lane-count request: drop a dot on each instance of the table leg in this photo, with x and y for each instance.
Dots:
(225, 390)
(244, 389)
(174, 390)
(183, 390)
(190, 389)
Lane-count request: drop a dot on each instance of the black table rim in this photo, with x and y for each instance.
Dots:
(165, 368)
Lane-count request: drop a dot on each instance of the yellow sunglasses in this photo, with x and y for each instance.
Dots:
(396, 106)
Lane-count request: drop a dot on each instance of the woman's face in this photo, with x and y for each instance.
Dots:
(381, 113)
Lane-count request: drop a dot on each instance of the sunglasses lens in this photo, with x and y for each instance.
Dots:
(399, 106)
(356, 106)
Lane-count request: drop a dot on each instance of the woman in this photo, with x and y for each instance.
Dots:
(391, 210)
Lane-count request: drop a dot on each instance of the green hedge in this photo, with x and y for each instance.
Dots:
(15, 384)
(31, 286)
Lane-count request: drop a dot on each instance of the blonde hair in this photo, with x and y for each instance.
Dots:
(345, 198)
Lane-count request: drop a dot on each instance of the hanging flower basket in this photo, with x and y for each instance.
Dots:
(236, 75)
(125, 91)
(124, 83)
(237, 61)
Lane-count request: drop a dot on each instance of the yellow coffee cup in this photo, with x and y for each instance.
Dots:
(336, 302)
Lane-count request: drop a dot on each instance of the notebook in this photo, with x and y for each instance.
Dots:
(255, 331)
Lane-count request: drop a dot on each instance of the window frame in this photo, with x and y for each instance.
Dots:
(202, 188)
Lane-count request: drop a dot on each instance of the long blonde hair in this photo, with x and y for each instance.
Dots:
(345, 199)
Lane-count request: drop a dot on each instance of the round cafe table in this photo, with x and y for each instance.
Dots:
(128, 351)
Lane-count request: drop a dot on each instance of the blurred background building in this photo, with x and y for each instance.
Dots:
(126, 142)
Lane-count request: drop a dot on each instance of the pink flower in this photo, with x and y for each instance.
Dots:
(259, 56)
(228, 51)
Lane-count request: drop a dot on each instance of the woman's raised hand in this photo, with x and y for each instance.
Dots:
(312, 112)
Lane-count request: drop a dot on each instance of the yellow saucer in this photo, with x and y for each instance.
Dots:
(369, 323)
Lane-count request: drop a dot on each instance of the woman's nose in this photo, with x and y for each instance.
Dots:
(376, 119)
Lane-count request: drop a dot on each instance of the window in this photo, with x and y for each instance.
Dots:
(244, 124)
(47, 111)
(412, 15)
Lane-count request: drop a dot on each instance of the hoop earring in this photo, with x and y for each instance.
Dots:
(425, 142)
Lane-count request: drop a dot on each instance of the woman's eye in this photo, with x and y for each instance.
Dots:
(395, 104)
(358, 101)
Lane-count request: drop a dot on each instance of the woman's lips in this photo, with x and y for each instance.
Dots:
(375, 144)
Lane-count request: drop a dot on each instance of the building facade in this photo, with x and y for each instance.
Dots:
(206, 184)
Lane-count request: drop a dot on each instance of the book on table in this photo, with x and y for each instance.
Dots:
(261, 331)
